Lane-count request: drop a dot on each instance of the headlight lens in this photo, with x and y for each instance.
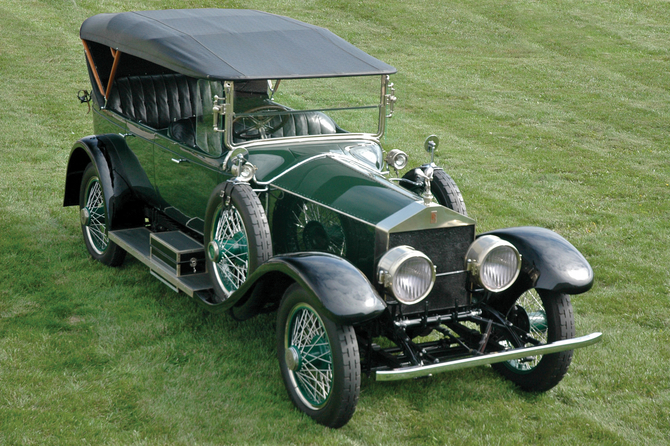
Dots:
(407, 274)
(397, 159)
(493, 263)
(243, 172)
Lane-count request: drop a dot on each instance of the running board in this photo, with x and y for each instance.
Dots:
(137, 242)
(490, 358)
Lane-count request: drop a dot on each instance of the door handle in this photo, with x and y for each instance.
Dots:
(181, 160)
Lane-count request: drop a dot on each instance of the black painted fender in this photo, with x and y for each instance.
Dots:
(344, 293)
(549, 262)
(116, 165)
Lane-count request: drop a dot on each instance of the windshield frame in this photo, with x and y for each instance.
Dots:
(228, 117)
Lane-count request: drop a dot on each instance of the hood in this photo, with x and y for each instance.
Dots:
(327, 175)
(335, 181)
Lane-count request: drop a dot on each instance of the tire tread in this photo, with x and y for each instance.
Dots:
(553, 367)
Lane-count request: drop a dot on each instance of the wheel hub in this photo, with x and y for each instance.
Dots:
(538, 321)
(235, 247)
(85, 216)
(293, 360)
(315, 237)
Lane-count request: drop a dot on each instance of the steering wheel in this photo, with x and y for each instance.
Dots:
(254, 127)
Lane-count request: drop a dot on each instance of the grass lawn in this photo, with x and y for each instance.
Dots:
(551, 113)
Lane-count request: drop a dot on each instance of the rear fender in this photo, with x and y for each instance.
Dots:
(549, 262)
(115, 163)
(344, 293)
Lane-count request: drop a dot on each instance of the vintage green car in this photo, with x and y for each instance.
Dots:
(237, 154)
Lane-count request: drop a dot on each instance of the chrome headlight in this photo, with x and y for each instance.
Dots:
(397, 159)
(493, 263)
(407, 274)
(243, 171)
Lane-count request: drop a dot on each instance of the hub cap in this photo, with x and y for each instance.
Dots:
(293, 359)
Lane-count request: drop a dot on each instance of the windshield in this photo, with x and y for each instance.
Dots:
(305, 108)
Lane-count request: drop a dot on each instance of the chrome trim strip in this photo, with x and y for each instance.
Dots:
(491, 358)
(297, 112)
(293, 167)
(165, 282)
(334, 137)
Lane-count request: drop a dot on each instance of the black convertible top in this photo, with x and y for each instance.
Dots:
(231, 44)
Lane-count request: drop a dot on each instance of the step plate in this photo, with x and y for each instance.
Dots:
(137, 241)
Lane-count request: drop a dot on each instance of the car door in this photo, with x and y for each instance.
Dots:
(185, 178)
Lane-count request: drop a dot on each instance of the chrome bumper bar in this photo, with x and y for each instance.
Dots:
(490, 358)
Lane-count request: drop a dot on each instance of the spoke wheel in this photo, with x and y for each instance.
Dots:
(94, 220)
(306, 226)
(302, 226)
(546, 317)
(318, 359)
(308, 356)
(237, 238)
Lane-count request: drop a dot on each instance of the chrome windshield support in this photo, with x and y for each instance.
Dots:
(229, 89)
(390, 100)
(382, 106)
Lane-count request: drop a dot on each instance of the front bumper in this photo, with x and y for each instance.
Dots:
(490, 358)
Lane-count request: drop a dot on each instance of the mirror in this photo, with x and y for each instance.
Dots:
(430, 145)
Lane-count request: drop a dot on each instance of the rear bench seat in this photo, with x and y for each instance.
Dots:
(155, 101)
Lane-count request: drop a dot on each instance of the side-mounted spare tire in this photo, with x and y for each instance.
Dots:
(443, 187)
(237, 237)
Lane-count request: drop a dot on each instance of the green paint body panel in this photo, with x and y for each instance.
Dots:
(363, 195)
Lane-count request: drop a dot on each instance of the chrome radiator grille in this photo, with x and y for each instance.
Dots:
(446, 248)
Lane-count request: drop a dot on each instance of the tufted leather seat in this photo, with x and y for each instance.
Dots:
(304, 124)
(157, 100)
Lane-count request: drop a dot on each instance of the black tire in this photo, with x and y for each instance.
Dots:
(302, 226)
(444, 188)
(303, 360)
(94, 219)
(548, 317)
(237, 238)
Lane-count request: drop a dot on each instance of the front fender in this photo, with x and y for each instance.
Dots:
(344, 293)
(549, 262)
(116, 164)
